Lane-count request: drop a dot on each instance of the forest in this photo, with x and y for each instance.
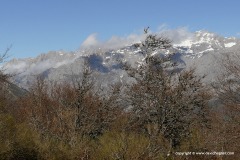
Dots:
(163, 113)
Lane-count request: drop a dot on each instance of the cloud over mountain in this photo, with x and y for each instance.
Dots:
(114, 42)
(175, 35)
(192, 48)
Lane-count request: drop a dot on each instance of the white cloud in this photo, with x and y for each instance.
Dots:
(163, 27)
(92, 42)
(43, 62)
(175, 35)
(16, 67)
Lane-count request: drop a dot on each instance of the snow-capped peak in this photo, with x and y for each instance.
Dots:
(191, 46)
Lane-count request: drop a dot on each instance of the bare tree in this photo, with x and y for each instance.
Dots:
(165, 102)
(4, 81)
(228, 84)
(3, 76)
(227, 90)
(70, 112)
(94, 112)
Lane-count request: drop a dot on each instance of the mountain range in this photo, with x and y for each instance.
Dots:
(201, 50)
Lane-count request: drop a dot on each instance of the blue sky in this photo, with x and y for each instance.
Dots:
(38, 26)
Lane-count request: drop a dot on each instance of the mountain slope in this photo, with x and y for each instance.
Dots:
(201, 50)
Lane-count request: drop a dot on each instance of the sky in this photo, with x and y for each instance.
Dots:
(32, 27)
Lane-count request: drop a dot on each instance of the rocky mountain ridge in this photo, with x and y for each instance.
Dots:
(200, 50)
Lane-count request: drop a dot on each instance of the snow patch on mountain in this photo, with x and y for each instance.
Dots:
(231, 44)
(199, 49)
